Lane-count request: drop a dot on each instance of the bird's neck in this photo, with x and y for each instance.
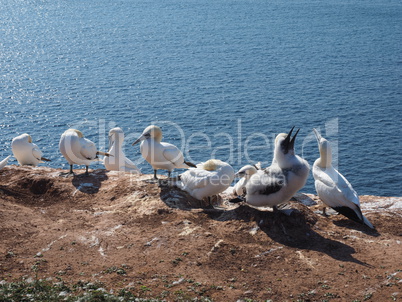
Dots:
(325, 159)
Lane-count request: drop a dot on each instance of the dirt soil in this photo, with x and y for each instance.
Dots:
(158, 242)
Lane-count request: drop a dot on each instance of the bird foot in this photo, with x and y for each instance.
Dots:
(164, 182)
(152, 181)
(67, 174)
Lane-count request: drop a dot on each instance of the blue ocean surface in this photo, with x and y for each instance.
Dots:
(222, 78)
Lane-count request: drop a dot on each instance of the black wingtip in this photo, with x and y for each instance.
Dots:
(349, 213)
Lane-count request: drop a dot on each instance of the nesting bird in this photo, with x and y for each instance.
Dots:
(279, 182)
(333, 188)
(244, 174)
(207, 179)
(78, 150)
(26, 152)
(118, 161)
(158, 154)
(4, 162)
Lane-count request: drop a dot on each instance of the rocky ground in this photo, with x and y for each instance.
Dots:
(157, 242)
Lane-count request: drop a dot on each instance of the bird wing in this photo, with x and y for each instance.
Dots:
(272, 180)
(172, 154)
(347, 190)
(265, 182)
(88, 149)
(195, 178)
(333, 190)
(36, 152)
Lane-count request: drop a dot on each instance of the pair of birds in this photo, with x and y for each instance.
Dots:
(200, 181)
(79, 150)
(76, 149)
(288, 173)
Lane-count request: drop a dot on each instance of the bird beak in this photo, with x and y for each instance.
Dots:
(103, 153)
(292, 141)
(317, 135)
(289, 142)
(141, 138)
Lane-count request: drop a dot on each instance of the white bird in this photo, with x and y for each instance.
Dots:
(78, 150)
(207, 179)
(333, 188)
(279, 182)
(118, 161)
(4, 162)
(244, 174)
(158, 154)
(26, 152)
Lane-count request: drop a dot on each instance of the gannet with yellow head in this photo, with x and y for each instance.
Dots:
(158, 154)
(333, 188)
(207, 179)
(78, 150)
(26, 152)
(118, 161)
(279, 182)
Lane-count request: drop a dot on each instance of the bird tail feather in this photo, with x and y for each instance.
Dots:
(368, 223)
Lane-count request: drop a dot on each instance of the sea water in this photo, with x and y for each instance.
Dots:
(222, 78)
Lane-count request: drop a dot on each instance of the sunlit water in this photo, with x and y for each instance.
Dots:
(222, 78)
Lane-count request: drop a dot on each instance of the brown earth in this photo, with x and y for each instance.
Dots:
(158, 242)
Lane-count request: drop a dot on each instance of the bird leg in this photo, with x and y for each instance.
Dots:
(323, 211)
(71, 172)
(86, 171)
(153, 180)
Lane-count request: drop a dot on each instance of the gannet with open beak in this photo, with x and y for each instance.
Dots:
(279, 182)
(207, 179)
(244, 174)
(158, 154)
(118, 161)
(333, 188)
(4, 162)
(78, 150)
(26, 152)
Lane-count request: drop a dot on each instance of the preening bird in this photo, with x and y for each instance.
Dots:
(207, 179)
(118, 161)
(279, 182)
(333, 188)
(78, 150)
(244, 174)
(158, 154)
(26, 152)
